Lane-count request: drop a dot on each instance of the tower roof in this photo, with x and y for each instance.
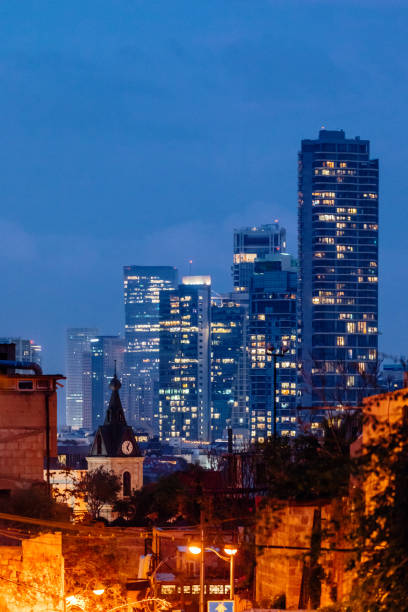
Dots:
(115, 413)
(115, 438)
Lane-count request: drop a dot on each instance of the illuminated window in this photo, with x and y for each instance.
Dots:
(362, 327)
(340, 341)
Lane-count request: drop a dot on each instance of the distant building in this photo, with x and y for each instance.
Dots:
(393, 376)
(107, 358)
(28, 422)
(142, 286)
(184, 372)
(229, 405)
(272, 325)
(78, 344)
(338, 269)
(26, 350)
(251, 243)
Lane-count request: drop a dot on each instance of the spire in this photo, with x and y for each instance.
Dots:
(115, 413)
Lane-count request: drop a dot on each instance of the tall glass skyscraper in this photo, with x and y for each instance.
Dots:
(338, 275)
(184, 405)
(26, 350)
(142, 287)
(253, 242)
(229, 406)
(78, 343)
(273, 325)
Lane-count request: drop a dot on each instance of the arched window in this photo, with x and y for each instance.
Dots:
(127, 489)
(98, 445)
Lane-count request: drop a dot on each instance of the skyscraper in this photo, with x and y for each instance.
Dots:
(229, 406)
(251, 243)
(338, 274)
(142, 286)
(78, 343)
(107, 356)
(26, 350)
(273, 326)
(184, 382)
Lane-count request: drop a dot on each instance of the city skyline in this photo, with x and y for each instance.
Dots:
(132, 146)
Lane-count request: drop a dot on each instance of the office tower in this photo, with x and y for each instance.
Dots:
(272, 328)
(78, 342)
(393, 376)
(229, 406)
(26, 350)
(106, 357)
(338, 269)
(184, 372)
(251, 243)
(142, 286)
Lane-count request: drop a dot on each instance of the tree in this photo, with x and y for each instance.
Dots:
(92, 562)
(173, 497)
(99, 487)
(35, 502)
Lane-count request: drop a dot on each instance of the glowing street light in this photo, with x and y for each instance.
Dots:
(98, 591)
(229, 550)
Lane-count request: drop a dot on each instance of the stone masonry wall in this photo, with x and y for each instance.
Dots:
(32, 575)
(283, 539)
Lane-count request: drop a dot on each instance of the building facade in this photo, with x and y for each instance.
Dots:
(338, 269)
(184, 372)
(251, 243)
(28, 423)
(78, 344)
(229, 399)
(142, 287)
(273, 328)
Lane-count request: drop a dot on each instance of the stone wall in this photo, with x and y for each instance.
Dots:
(23, 430)
(32, 575)
(283, 540)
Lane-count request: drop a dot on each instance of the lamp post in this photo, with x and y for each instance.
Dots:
(274, 353)
(229, 550)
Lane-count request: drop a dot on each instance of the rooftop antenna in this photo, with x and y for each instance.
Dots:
(114, 376)
(190, 263)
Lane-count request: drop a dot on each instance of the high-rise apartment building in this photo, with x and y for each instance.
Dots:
(184, 373)
(251, 243)
(106, 358)
(338, 269)
(229, 405)
(142, 286)
(26, 350)
(273, 329)
(78, 343)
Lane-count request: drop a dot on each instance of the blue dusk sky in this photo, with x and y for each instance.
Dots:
(144, 131)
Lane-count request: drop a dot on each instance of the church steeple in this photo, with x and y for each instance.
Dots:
(115, 438)
(115, 414)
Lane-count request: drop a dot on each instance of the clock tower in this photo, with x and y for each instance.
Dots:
(115, 447)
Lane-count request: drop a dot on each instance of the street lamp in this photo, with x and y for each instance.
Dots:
(79, 600)
(229, 550)
(271, 351)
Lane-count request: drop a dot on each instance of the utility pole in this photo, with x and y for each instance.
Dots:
(232, 591)
(202, 565)
(274, 353)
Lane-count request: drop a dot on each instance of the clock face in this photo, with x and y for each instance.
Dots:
(127, 447)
